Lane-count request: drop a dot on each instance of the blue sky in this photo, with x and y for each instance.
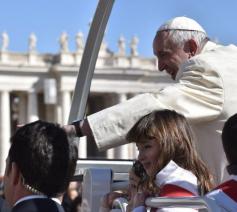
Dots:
(49, 18)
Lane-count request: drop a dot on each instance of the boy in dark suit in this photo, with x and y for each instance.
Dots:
(225, 195)
(39, 166)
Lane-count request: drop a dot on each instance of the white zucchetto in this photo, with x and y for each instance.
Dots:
(181, 23)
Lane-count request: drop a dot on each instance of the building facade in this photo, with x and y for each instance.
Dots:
(40, 86)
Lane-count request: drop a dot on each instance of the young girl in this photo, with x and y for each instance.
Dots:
(165, 144)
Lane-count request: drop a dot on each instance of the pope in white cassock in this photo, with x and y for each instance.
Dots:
(204, 91)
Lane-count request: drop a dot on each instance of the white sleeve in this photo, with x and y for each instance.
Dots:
(110, 125)
(199, 96)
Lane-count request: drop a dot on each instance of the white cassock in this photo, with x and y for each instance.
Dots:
(205, 92)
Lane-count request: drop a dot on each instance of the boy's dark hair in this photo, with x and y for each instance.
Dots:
(229, 139)
(45, 157)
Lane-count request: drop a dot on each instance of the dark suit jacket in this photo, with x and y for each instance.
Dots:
(38, 205)
(3, 206)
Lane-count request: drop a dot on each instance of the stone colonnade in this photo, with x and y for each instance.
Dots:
(25, 75)
(28, 112)
(5, 129)
(30, 103)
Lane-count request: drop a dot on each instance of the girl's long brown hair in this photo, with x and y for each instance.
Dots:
(175, 138)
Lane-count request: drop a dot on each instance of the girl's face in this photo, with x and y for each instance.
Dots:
(148, 155)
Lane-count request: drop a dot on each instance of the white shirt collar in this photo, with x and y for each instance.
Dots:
(30, 197)
(56, 200)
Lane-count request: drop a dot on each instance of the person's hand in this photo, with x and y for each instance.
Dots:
(107, 200)
(139, 199)
(79, 128)
(70, 130)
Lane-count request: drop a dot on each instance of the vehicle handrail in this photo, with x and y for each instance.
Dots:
(120, 167)
(183, 202)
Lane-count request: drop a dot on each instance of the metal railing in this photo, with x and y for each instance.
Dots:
(202, 204)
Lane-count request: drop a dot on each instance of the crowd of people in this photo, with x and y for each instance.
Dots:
(182, 150)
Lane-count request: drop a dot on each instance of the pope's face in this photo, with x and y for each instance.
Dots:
(170, 57)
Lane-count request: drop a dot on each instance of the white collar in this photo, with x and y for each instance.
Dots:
(55, 199)
(30, 197)
(174, 174)
(208, 46)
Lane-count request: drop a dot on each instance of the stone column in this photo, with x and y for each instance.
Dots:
(82, 147)
(66, 104)
(22, 108)
(32, 112)
(133, 152)
(5, 128)
(58, 105)
(58, 114)
(121, 152)
(110, 153)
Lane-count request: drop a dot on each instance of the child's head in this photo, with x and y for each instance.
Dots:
(166, 135)
(229, 139)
